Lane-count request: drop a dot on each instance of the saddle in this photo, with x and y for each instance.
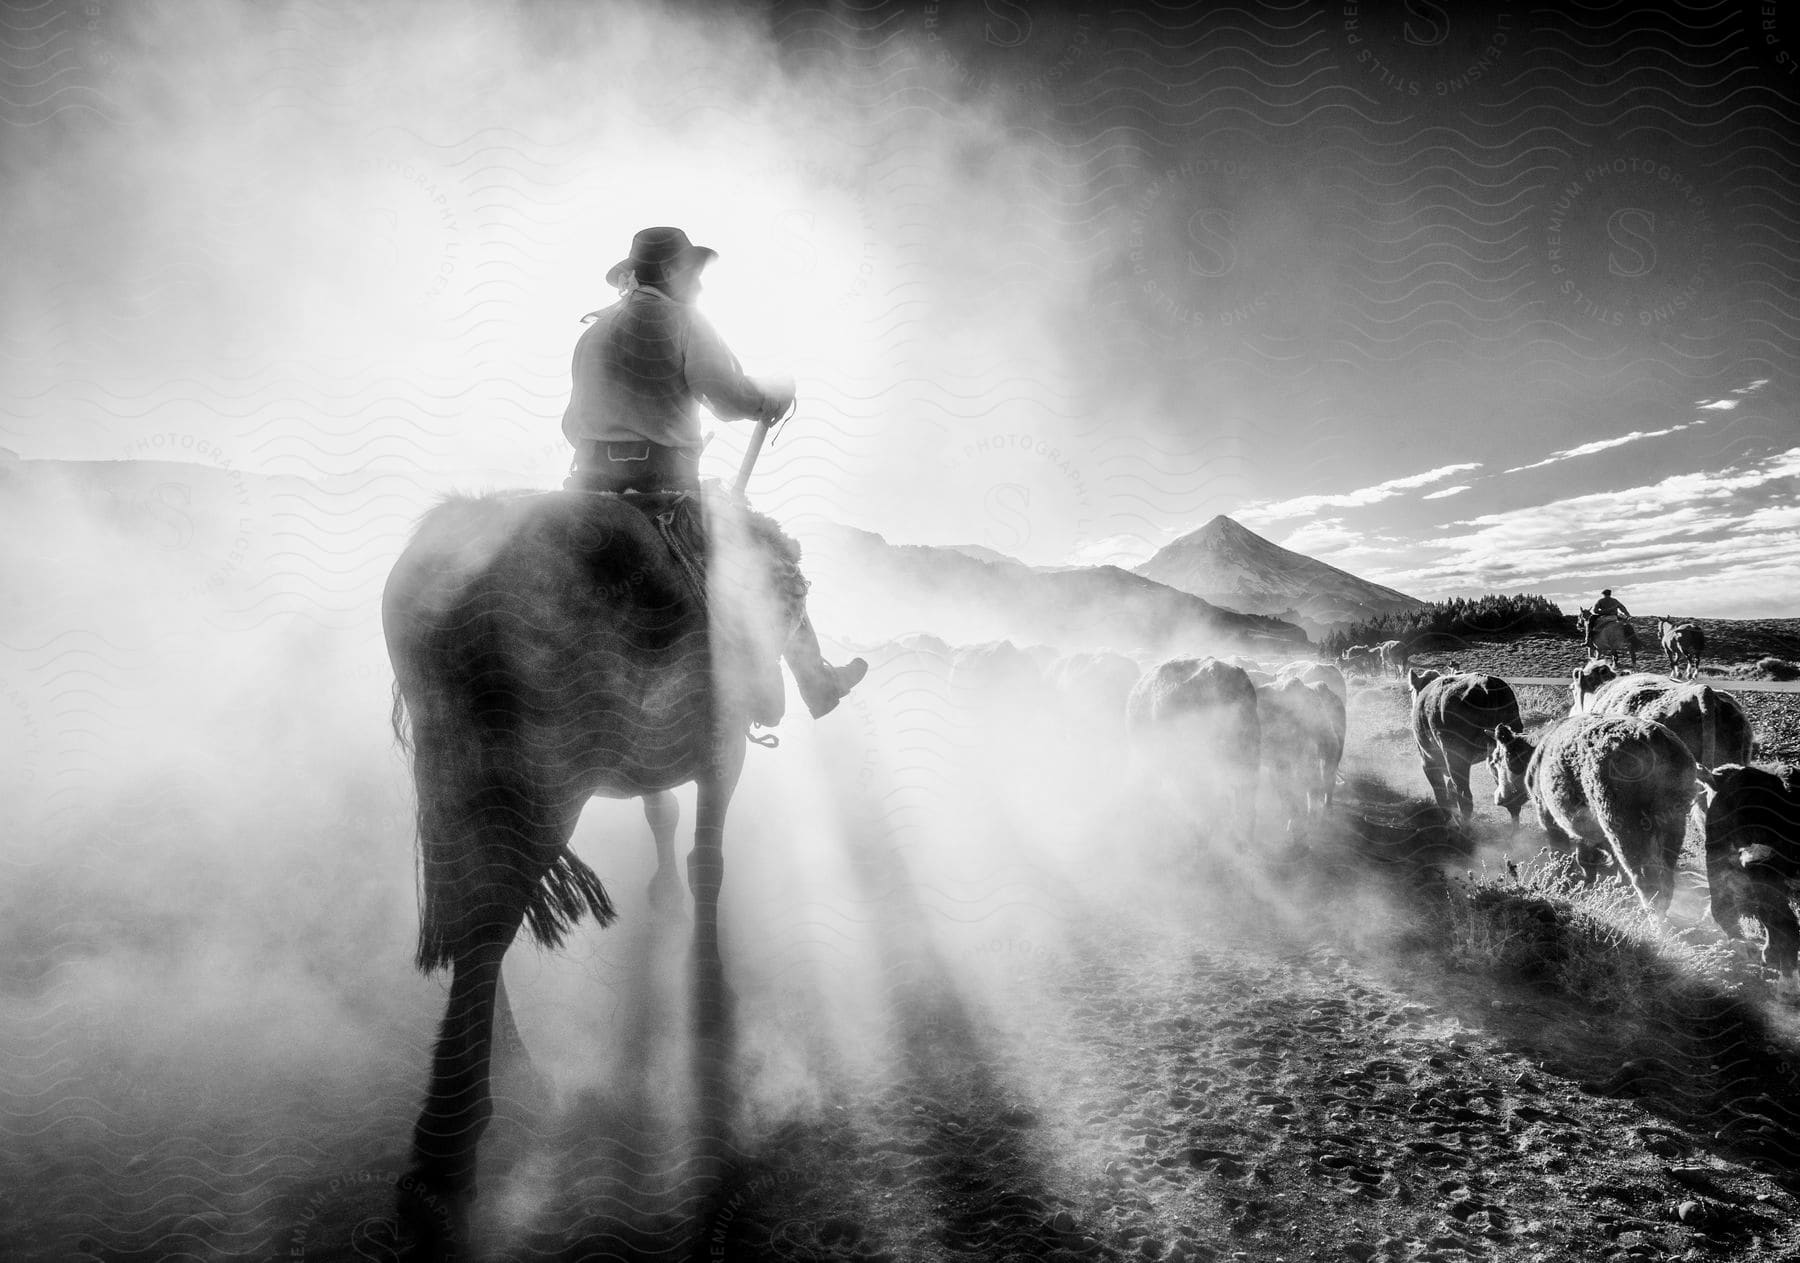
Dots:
(686, 521)
(1598, 621)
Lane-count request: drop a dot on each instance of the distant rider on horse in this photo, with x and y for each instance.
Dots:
(1609, 606)
(641, 370)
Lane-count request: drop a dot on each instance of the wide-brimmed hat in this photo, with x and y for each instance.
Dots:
(656, 252)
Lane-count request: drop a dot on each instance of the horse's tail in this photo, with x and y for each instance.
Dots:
(440, 887)
(475, 859)
(397, 719)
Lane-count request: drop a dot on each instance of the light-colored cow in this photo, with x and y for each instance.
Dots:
(1093, 686)
(1614, 788)
(1316, 673)
(1710, 722)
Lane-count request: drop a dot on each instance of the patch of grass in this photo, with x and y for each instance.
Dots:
(1539, 922)
(1777, 669)
(1542, 704)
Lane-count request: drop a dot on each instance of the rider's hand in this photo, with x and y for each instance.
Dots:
(778, 392)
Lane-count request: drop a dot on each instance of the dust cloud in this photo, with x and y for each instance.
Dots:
(295, 272)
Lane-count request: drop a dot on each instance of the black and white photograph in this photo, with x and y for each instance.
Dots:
(900, 631)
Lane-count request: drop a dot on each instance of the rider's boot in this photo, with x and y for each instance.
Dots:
(822, 685)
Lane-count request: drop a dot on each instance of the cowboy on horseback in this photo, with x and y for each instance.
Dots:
(642, 370)
(1609, 606)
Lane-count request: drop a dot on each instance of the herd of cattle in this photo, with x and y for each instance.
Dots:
(1616, 781)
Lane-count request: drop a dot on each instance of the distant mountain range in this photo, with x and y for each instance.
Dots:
(864, 587)
(213, 531)
(1232, 566)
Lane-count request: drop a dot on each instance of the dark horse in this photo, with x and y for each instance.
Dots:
(547, 648)
(1607, 636)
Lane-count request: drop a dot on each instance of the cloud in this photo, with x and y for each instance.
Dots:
(1601, 445)
(1114, 550)
(1458, 489)
(1719, 405)
(1303, 505)
(1731, 530)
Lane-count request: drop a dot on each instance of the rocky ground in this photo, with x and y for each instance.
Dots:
(1255, 1095)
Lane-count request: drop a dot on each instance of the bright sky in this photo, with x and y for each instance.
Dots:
(1035, 299)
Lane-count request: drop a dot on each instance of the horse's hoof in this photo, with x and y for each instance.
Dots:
(434, 1220)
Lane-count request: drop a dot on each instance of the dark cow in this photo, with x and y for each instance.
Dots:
(1302, 743)
(1710, 722)
(1361, 659)
(1394, 656)
(1194, 727)
(1608, 786)
(1751, 822)
(1453, 722)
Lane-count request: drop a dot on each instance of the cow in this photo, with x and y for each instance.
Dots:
(1315, 673)
(1090, 689)
(1683, 643)
(1394, 656)
(1751, 823)
(1098, 676)
(1710, 722)
(1614, 787)
(1302, 742)
(1194, 728)
(996, 670)
(1453, 721)
(1586, 680)
(1362, 659)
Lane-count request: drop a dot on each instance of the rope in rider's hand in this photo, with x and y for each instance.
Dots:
(793, 406)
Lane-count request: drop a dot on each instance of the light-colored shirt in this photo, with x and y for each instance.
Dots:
(644, 367)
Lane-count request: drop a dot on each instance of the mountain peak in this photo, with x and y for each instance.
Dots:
(1228, 564)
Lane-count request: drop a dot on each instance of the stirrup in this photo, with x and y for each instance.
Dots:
(767, 740)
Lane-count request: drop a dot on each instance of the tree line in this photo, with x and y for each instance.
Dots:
(1492, 616)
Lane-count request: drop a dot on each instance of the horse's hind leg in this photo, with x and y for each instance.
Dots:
(434, 1199)
(663, 813)
(497, 884)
